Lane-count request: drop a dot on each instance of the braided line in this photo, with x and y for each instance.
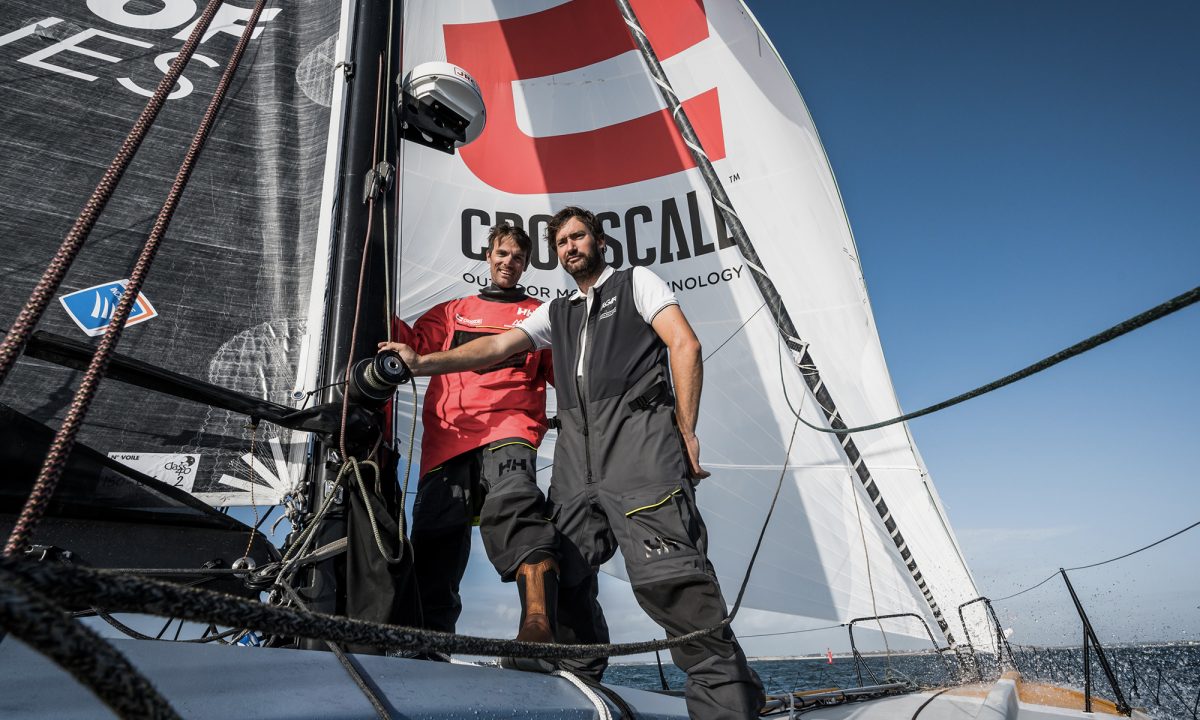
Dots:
(85, 586)
(36, 621)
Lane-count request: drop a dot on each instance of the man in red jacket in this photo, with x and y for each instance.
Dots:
(479, 452)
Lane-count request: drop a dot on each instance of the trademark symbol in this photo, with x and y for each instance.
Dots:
(735, 177)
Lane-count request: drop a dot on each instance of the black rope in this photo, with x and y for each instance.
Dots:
(763, 532)
(142, 636)
(1175, 304)
(119, 593)
(350, 666)
(734, 333)
(1135, 552)
(1103, 562)
(164, 628)
(266, 515)
(662, 676)
(1035, 587)
(795, 632)
(42, 625)
(213, 572)
(931, 699)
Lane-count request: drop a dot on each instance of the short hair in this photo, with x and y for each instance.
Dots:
(499, 231)
(587, 217)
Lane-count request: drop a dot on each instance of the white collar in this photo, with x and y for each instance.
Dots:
(608, 271)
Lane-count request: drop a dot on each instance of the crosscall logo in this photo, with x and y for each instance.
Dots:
(569, 37)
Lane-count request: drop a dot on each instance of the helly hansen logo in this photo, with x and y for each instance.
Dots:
(513, 465)
(569, 39)
(524, 312)
(660, 546)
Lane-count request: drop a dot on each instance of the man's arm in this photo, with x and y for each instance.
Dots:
(478, 353)
(687, 372)
(428, 334)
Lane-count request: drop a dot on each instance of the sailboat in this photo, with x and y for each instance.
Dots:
(324, 202)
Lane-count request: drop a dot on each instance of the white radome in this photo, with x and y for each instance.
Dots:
(454, 88)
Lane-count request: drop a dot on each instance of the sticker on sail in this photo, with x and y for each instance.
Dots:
(175, 469)
(92, 308)
(255, 480)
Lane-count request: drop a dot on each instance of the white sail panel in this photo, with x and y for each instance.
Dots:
(574, 118)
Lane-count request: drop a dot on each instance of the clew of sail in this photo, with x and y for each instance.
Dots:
(228, 295)
(575, 118)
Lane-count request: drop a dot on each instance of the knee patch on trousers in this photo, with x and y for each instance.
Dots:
(685, 604)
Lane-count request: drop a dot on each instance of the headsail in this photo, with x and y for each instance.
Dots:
(588, 127)
(227, 298)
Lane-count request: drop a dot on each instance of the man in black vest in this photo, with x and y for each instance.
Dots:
(628, 374)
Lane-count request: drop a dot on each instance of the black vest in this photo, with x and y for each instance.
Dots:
(621, 347)
(611, 437)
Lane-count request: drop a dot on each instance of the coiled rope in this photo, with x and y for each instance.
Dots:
(86, 586)
(35, 620)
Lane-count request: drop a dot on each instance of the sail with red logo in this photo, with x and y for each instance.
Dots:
(575, 118)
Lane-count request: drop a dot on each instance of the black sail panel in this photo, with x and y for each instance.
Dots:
(227, 297)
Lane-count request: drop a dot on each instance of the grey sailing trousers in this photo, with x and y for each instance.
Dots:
(664, 543)
(494, 484)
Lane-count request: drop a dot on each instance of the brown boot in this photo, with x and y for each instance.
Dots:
(537, 584)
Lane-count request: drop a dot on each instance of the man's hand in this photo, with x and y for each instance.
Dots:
(479, 353)
(692, 444)
(407, 354)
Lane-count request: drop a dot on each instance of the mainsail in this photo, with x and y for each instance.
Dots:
(588, 127)
(226, 302)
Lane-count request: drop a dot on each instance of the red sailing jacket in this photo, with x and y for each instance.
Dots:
(464, 411)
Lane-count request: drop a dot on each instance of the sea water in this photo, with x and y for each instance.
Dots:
(1162, 678)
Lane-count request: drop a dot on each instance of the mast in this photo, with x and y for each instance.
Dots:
(783, 322)
(366, 74)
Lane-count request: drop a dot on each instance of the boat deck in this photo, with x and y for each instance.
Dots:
(204, 681)
(1009, 698)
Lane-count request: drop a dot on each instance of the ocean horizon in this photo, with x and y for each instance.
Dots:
(1161, 677)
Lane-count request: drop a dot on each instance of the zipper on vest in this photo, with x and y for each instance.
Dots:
(587, 445)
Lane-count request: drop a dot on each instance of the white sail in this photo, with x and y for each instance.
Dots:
(574, 118)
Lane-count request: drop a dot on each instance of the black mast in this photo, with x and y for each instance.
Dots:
(374, 25)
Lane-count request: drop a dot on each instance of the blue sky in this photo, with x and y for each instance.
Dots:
(1018, 177)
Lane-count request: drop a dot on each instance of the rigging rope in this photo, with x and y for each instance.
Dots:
(796, 632)
(36, 621)
(763, 532)
(44, 291)
(351, 668)
(117, 624)
(75, 584)
(1103, 562)
(862, 532)
(1173, 305)
(64, 440)
(253, 504)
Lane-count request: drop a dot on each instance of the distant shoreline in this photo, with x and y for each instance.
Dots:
(906, 653)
